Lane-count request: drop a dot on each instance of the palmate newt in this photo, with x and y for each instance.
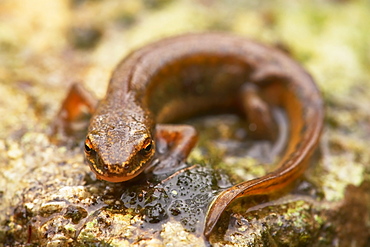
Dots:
(194, 74)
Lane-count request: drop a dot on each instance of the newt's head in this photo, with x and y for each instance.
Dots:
(119, 152)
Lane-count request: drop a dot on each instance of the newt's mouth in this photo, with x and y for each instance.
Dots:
(97, 165)
(112, 172)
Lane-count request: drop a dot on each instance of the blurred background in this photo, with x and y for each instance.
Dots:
(54, 43)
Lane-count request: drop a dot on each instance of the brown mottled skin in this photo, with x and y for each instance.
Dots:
(192, 74)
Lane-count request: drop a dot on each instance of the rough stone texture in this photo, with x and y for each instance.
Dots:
(49, 197)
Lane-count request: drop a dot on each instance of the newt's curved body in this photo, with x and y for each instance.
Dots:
(188, 75)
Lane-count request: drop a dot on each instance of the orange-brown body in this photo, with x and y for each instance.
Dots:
(193, 74)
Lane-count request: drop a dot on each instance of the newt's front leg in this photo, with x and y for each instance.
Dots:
(74, 112)
(173, 145)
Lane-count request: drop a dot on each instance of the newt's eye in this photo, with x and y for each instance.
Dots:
(88, 146)
(147, 146)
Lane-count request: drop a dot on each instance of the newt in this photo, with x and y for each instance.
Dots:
(190, 75)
